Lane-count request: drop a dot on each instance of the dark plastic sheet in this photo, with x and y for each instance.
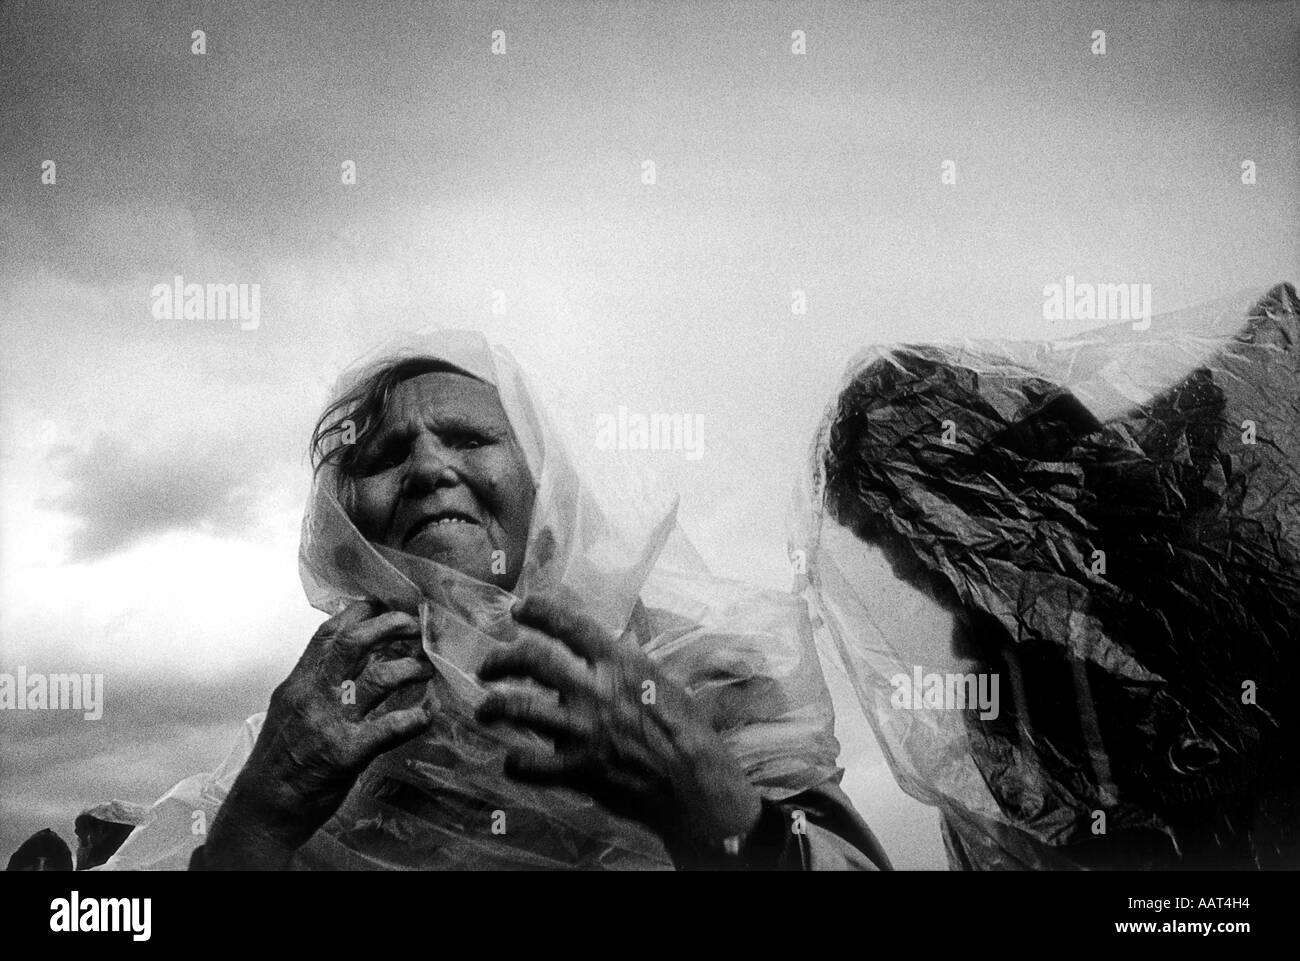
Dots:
(1110, 526)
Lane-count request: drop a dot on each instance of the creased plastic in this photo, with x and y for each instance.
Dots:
(747, 654)
(1110, 525)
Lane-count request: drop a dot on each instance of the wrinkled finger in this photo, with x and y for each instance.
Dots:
(535, 711)
(542, 659)
(562, 620)
(536, 765)
(379, 734)
(381, 678)
(355, 613)
(348, 647)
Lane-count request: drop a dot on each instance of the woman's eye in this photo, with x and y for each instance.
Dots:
(382, 460)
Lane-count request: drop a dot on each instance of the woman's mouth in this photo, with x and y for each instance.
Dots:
(444, 522)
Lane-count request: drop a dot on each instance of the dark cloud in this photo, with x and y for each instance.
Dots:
(153, 733)
(122, 493)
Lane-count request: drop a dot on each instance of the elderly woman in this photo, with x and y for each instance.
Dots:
(514, 675)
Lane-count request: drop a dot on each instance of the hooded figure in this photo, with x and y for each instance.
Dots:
(101, 829)
(1065, 580)
(444, 800)
(43, 851)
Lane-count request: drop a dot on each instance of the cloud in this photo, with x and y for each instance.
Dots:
(156, 733)
(121, 493)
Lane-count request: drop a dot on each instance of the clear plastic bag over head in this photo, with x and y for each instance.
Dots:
(746, 653)
(1064, 578)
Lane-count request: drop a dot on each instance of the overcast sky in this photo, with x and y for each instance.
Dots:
(152, 474)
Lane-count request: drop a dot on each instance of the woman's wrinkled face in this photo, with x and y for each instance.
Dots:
(443, 477)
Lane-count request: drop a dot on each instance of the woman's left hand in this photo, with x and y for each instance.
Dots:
(624, 734)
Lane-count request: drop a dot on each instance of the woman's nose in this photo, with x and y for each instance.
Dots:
(431, 465)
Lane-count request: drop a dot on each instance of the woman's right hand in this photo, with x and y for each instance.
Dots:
(322, 729)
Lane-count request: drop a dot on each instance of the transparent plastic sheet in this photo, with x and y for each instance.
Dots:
(747, 654)
(1148, 703)
(118, 812)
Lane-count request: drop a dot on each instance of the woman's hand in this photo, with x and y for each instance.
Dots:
(624, 734)
(321, 731)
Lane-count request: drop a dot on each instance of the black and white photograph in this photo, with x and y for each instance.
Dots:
(757, 436)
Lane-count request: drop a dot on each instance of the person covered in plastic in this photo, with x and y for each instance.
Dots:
(1065, 579)
(513, 674)
(103, 828)
(43, 851)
